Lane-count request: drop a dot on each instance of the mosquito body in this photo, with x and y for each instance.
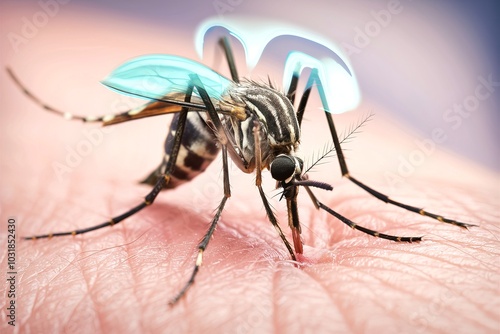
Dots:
(279, 134)
(255, 125)
(269, 121)
(197, 150)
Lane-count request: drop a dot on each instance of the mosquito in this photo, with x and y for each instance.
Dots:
(253, 124)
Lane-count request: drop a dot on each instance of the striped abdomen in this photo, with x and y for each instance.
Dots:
(198, 149)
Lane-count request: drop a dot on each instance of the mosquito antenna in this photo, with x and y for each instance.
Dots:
(350, 134)
(355, 127)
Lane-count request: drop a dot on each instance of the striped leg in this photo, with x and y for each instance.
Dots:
(258, 183)
(168, 105)
(314, 78)
(149, 199)
(226, 46)
(222, 138)
(197, 150)
(224, 43)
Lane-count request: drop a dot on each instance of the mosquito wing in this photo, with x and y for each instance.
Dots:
(164, 78)
(154, 108)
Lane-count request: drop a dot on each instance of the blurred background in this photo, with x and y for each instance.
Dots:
(425, 63)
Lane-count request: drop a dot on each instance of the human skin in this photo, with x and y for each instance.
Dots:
(120, 279)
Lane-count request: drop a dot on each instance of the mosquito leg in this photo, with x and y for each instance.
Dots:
(63, 114)
(258, 183)
(149, 199)
(214, 118)
(303, 100)
(226, 46)
(420, 211)
(345, 171)
(206, 239)
(150, 109)
(300, 113)
(378, 195)
(355, 226)
(313, 197)
(292, 90)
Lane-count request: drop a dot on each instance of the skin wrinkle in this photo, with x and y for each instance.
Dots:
(330, 295)
(380, 305)
(89, 293)
(34, 301)
(453, 262)
(110, 252)
(257, 234)
(93, 297)
(73, 311)
(409, 292)
(461, 266)
(436, 281)
(428, 255)
(134, 277)
(399, 263)
(69, 264)
(273, 244)
(471, 316)
(345, 314)
(478, 323)
(80, 302)
(399, 289)
(33, 305)
(454, 265)
(489, 248)
(115, 258)
(383, 283)
(274, 301)
(389, 259)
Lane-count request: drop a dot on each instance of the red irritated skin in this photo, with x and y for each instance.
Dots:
(120, 279)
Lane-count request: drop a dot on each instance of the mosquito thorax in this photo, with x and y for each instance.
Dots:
(284, 167)
(272, 108)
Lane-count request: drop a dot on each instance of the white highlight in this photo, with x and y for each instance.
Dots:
(108, 118)
(135, 111)
(91, 118)
(341, 87)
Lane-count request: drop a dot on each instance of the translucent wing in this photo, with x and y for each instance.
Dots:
(340, 90)
(158, 76)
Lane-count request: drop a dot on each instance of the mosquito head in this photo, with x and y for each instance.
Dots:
(287, 170)
(284, 167)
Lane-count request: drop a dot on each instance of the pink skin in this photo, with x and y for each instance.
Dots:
(120, 279)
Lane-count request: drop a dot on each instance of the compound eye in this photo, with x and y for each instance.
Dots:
(282, 168)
